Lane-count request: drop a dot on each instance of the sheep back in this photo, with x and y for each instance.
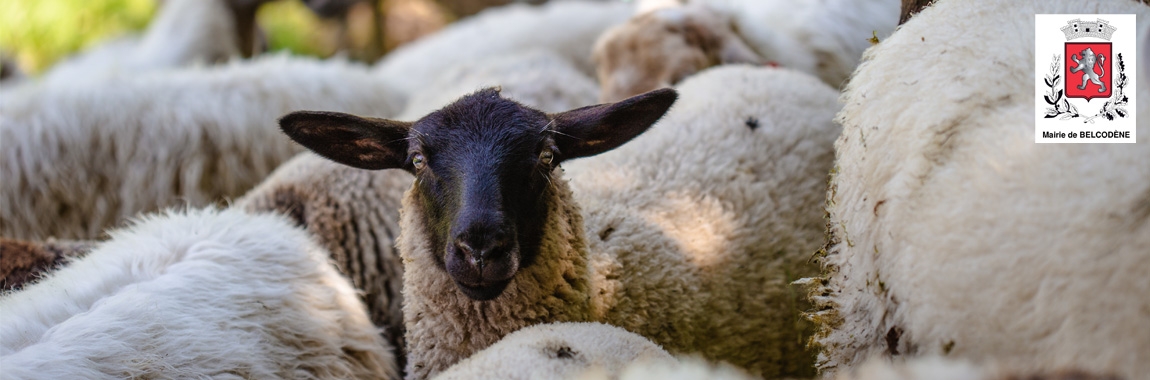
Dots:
(83, 158)
(952, 233)
(539, 78)
(194, 294)
(697, 227)
(354, 215)
(566, 27)
(557, 351)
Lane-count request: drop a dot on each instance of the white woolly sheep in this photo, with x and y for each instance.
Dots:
(692, 234)
(662, 47)
(568, 28)
(558, 351)
(23, 262)
(583, 351)
(82, 158)
(183, 32)
(668, 42)
(952, 233)
(539, 78)
(937, 368)
(686, 368)
(355, 213)
(202, 293)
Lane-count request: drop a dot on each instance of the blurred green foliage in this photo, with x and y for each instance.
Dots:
(40, 32)
(289, 25)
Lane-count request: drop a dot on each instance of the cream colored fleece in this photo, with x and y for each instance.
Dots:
(953, 233)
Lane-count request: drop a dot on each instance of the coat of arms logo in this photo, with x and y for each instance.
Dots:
(1087, 72)
(1086, 78)
(1086, 56)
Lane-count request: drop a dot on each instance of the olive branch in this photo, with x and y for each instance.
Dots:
(1062, 109)
(1115, 107)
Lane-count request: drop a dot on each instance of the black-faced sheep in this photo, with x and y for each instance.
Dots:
(355, 213)
(691, 235)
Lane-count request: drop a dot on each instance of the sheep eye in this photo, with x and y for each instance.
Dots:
(546, 157)
(417, 161)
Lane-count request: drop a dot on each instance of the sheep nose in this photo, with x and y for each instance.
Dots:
(487, 247)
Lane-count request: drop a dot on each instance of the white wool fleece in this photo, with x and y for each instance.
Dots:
(539, 78)
(202, 293)
(952, 233)
(81, 158)
(558, 351)
(568, 28)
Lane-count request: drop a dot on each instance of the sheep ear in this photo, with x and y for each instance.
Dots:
(591, 130)
(365, 143)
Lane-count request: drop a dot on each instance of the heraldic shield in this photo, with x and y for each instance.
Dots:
(1088, 70)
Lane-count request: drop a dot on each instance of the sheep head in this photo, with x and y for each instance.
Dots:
(483, 168)
(662, 47)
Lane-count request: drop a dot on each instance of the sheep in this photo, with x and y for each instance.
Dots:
(951, 233)
(662, 47)
(566, 27)
(200, 293)
(583, 351)
(686, 368)
(558, 351)
(540, 78)
(82, 158)
(183, 32)
(937, 368)
(354, 214)
(659, 47)
(23, 262)
(701, 264)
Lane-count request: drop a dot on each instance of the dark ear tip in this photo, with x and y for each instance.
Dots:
(664, 92)
(291, 122)
(298, 121)
(661, 99)
(667, 95)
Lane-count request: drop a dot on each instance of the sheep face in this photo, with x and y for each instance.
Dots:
(483, 168)
(662, 47)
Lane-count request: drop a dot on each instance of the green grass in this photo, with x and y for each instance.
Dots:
(41, 32)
